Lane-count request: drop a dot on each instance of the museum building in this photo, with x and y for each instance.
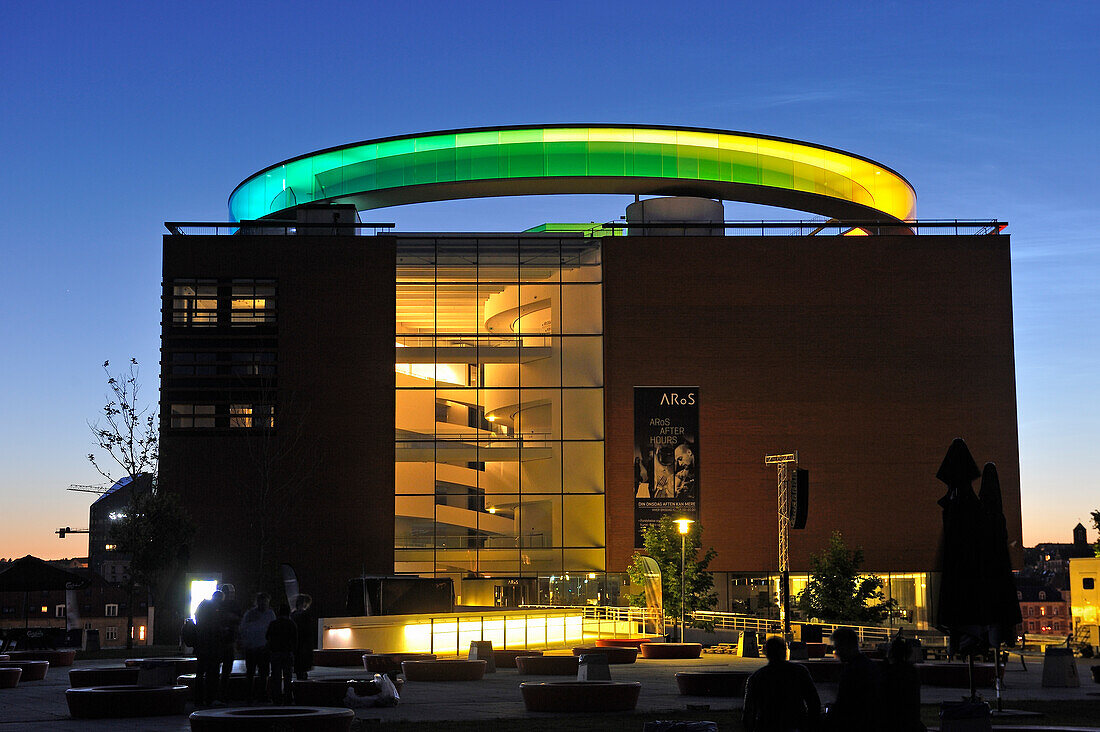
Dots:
(511, 410)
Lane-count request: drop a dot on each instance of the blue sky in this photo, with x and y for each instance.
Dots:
(116, 117)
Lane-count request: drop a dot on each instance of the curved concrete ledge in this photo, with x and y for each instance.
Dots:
(614, 654)
(547, 665)
(111, 676)
(32, 670)
(103, 702)
(507, 658)
(284, 719)
(9, 677)
(671, 650)
(711, 683)
(236, 690)
(64, 657)
(386, 663)
(4, 657)
(580, 696)
(184, 664)
(444, 670)
(339, 656)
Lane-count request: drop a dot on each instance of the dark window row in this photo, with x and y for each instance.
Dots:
(207, 303)
(190, 416)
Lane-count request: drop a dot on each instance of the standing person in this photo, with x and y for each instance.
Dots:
(307, 633)
(231, 620)
(282, 639)
(901, 690)
(253, 637)
(859, 691)
(780, 697)
(208, 645)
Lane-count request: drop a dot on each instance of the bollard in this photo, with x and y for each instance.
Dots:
(1059, 668)
(747, 646)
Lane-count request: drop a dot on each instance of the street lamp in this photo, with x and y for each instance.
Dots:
(682, 524)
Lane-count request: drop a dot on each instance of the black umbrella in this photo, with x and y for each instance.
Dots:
(1002, 607)
(962, 613)
(31, 574)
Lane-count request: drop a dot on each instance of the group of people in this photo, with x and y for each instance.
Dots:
(781, 696)
(275, 644)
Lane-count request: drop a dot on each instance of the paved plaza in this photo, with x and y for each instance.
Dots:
(41, 704)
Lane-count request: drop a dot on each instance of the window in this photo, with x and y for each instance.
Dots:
(87, 626)
(1043, 610)
(1042, 595)
(1019, 595)
(248, 416)
(254, 364)
(111, 633)
(1088, 583)
(195, 303)
(111, 610)
(59, 611)
(194, 364)
(1054, 610)
(1031, 611)
(192, 416)
(253, 302)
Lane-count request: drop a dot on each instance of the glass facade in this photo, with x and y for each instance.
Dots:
(499, 424)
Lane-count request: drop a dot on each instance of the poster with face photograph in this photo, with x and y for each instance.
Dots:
(666, 455)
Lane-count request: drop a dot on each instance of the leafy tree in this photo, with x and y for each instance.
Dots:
(154, 531)
(838, 593)
(662, 543)
(1096, 525)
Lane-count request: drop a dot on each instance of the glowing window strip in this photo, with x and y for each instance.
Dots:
(577, 159)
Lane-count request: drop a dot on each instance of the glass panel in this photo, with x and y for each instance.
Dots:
(584, 521)
(582, 309)
(582, 361)
(583, 466)
(582, 414)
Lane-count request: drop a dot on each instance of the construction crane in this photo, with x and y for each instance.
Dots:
(66, 530)
(98, 489)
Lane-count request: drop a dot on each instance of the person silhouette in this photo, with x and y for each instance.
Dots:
(780, 697)
(858, 694)
(901, 690)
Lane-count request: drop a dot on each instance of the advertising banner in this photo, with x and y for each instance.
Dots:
(666, 455)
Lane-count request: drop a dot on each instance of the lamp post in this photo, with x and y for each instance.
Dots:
(682, 524)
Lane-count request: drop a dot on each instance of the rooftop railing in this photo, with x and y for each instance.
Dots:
(821, 227)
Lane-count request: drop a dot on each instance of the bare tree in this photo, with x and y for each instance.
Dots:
(126, 431)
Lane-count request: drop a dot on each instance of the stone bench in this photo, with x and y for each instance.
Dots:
(626, 642)
(451, 669)
(284, 719)
(955, 675)
(9, 677)
(390, 663)
(340, 656)
(547, 665)
(235, 690)
(712, 683)
(32, 670)
(672, 650)
(615, 654)
(331, 692)
(183, 664)
(504, 658)
(580, 696)
(105, 702)
(64, 657)
(109, 676)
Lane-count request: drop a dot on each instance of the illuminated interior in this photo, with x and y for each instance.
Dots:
(201, 590)
(499, 408)
(572, 159)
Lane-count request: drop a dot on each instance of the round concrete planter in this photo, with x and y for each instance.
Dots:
(63, 657)
(444, 670)
(32, 670)
(389, 663)
(184, 665)
(614, 655)
(9, 677)
(266, 719)
(507, 659)
(547, 665)
(580, 696)
(4, 657)
(625, 642)
(672, 650)
(109, 702)
(237, 689)
(712, 683)
(111, 676)
(339, 656)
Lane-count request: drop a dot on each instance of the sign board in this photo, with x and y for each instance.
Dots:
(666, 455)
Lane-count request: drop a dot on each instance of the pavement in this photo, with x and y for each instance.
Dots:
(41, 704)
